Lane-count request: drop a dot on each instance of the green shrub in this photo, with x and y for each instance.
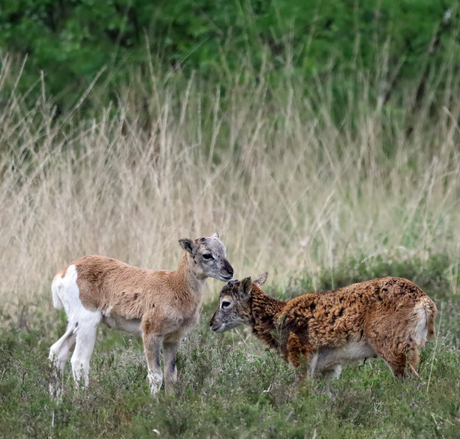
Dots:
(73, 40)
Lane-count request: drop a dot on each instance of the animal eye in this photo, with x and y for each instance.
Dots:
(207, 256)
(225, 304)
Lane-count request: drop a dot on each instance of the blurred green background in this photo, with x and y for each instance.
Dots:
(71, 41)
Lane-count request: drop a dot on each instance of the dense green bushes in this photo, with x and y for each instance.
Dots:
(72, 40)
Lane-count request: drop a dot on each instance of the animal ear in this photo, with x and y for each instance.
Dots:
(245, 287)
(187, 244)
(215, 235)
(262, 278)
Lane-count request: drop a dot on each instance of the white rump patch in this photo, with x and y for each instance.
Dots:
(81, 330)
(420, 329)
(66, 293)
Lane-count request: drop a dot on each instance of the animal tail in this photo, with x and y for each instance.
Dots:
(431, 311)
(56, 287)
(425, 315)
(423, 328)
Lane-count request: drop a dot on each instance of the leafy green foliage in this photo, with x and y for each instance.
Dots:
(73, 40)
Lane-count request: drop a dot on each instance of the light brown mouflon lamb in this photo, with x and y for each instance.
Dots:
(389, 318)
(161, 306)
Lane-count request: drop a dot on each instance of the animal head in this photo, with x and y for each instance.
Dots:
(209, 259)
(235, 304)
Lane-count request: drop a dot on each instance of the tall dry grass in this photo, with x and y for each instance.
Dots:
(294, 177)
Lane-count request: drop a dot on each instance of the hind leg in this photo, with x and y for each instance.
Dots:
(59, 354)
(397, 364)
(60, 351)
(86, 337)
(395, 358)
(414, 358)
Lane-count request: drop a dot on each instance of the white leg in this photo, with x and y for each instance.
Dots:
(313, 364)
(152, 346)
(169, 354)
(86, 337)
(59, 354)
(333, 372)
(60, 351)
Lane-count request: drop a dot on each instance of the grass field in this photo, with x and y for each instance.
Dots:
(320, 187)
(230, 386)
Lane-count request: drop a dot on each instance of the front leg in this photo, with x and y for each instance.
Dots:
(152, 346)
(169, 352)
(302, 356)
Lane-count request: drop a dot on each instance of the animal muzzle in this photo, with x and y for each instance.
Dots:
(227, 270)
(214, 326)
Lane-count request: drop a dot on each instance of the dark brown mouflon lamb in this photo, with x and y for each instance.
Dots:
(389, 318)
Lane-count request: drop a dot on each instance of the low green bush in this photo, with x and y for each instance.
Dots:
(73, 40)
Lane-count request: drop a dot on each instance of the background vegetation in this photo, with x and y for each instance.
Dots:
(73, 41)
(319, 139)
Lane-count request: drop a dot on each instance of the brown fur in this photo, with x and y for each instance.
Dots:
(161, 305)
(165, 301)
(383, 315)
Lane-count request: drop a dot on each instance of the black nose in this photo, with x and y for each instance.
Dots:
(228, 267)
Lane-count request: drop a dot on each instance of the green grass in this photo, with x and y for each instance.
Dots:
(229, 385)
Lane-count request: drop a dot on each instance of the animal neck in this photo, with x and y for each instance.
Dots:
(186, 274)
(265, 311)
